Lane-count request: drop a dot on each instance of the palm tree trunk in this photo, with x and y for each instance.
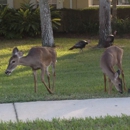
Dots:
(46, 25)
(104, 21)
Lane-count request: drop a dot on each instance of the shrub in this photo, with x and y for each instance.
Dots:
(23, 22)
(19, 23)
(123, 12)
(87, 20)
(6, 19)
(122, 26)
(79, 21)
(27, 22)
(55, 17)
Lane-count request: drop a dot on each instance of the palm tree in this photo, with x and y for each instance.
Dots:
(46, 24)
(104, 22)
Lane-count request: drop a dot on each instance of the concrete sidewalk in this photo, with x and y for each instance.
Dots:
(47, 110)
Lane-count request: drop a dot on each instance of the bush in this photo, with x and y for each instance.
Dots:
(27, 22)
(23, 22)
(6, 19)
(122, 26)
(123, 12)
(19, 23)
(79, 21)
(70, 20)
(87, 20)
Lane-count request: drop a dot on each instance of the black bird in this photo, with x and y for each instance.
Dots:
(110, 39)
(81, 44)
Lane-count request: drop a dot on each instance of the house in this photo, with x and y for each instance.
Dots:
(74, 4)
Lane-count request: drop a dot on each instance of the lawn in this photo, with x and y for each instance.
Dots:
(78, 75)
(107, 123)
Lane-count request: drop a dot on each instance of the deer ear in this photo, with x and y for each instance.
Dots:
(118, 71)
(20, 54)
(15, 51)
(117, 74)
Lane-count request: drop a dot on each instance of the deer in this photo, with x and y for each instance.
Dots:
(112, 57)
(37, 58)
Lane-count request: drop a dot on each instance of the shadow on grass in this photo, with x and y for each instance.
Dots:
(78, 76)
(74, 59)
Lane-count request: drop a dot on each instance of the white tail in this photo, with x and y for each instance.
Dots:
(111, 57)
(37, 58)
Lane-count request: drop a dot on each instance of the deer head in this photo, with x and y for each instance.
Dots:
(117, 81)
(14, 60)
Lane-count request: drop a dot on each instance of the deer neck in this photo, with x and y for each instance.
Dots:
(109, 72)
(25, 61)
(111, 75)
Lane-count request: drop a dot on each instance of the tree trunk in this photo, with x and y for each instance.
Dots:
(46, 25)
(104, 22)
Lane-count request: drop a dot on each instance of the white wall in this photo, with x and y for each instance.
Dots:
(59, 4)
(10, 3)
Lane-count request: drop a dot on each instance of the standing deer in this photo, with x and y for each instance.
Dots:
(111, 57)
(37, 58)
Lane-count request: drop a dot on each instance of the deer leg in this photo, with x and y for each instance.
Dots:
(122, 74)
(110, 86)
(104, 83)
(53, 71)
(123, 79)
(35, 80)
(43, 81)
(48, 77)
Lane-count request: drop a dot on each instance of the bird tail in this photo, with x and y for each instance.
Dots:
(71, 48)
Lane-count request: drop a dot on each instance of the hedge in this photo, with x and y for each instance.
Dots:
(22, 23)
(79, 21)
(123, 12)
(87, 20)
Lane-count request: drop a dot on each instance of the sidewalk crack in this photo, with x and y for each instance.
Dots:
(16, 114)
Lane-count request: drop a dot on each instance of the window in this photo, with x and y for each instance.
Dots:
(95, 2)
(52, 2)
(3, 2)
(123, 2)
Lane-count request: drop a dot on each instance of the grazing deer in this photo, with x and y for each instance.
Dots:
(37, 58)
(111, 57)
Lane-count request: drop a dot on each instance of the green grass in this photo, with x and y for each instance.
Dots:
(78, 75)
(107, 123)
